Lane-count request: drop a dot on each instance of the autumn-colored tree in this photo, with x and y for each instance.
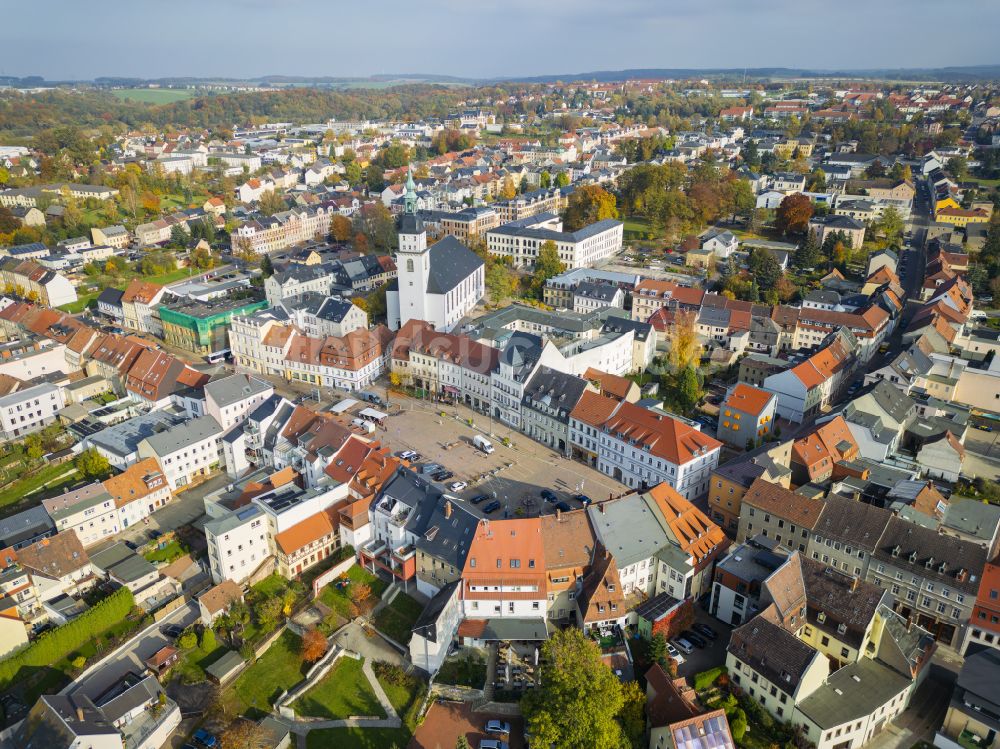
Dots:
(340, 228)
(360, 242)
(360, 595)
(682, 336)
(314, 645)
(508, 190)
(270, 203)
(793, 214)
(243, 734)
(587, 205)
(150, 202)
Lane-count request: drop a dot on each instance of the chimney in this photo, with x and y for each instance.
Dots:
(854, 584)
(602, 507)
(558, 515)
(79, 713)
(447, 509)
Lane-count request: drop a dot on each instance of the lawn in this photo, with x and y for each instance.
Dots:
(51, 476)
(193, 662)
(344, 692)
(339, 599)
(358, 738)
(279, 669)
(168, 553)
(464, 671)
(82, 302)
(154, 95)
(637, 228)
(396, 620)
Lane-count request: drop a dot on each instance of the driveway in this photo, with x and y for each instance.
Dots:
(923, 717)
(714, 654)
(374, 648)
(446, 721)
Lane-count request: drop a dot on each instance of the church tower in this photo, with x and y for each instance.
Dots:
(413, 264)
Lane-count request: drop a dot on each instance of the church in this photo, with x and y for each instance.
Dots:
(439, 284)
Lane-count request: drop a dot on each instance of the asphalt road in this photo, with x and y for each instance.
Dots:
(129, 657)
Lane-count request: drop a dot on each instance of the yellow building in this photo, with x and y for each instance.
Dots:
(962, 217)
(730, 481)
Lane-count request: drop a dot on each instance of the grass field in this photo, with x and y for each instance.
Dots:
(339, 599)
(153, 95)
(344, 692)
(396, 620)
(279, 669)
(84, 299)
(50, 477)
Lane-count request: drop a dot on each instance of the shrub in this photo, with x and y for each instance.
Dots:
(79, 662)
(56, 644)
(391, 673)
(187, 640)
(707, 678)
(208, 643)
(738, 724)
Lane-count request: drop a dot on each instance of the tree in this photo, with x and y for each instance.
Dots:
(270, 203)
(562, 179)
(340, 228)
(658, 648)
(682, 338)
(508, 190)
(764, 268)
(958, 167)
(578, 699)
(816, 181)
(375, 178)
(377, 225)
(545, 180)
(243, 733)
(314, 645)
(360, 595)
(891, 224)
(809, 254)
(632, 716)
(8, 221)
(353, 173)
(501, 282)
(686, 389)
(547, 264)
(33, 447)
(91, 464)
(267, 612)
(266, 266)
(208, 643)
(793, 214)
(587, 205)
(738, 724)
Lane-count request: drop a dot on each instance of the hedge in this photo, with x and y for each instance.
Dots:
(707, 678)
(56, 644)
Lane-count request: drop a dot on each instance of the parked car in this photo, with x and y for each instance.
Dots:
(697, 640)
(675, 654)
(705, 630)
(563, 506)
(479, 498)
(457, 486)
(154, 534)
(132, 545)
(492, 507)
(582, 499)
(683, 645)
(431, 468)
(549, 496)
(498, 727)
(203, 737)
(172, 631)
(492, 744)
(407, 454)
(983, 427)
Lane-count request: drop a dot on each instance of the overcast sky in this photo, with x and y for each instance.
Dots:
(81, 39)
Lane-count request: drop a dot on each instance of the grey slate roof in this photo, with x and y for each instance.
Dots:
(773, 652)
(451, 263)
(856, 523)
(628, 528)
(235, 388)
(852, 693)
(923, 551)
(25, 527)
(123, 439)
(554, 393)
(426, 624)
(184, 435)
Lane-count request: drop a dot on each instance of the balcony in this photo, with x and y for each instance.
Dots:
(969, 740)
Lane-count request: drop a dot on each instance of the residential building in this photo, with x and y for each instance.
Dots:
(216, 601)
(202, 327)
(29, 280)
(71, 721)
(851, 228)
(28, 410)
(847, 534)
(731, 480)
(89, 511)
(116, 236)
(773, 512)
(549, 397)
(187, 452)
(933, 577)
(816, 455)
(522, 241)
(504, 574)
(231, 398)
(237, 544)
(984, 625)
(138, 492)
(139, 306)
(746, 416)
(973, 716)
(738, 580)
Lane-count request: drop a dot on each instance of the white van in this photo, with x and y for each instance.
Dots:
(483, 444)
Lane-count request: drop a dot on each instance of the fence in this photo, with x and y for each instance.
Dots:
(169, 607)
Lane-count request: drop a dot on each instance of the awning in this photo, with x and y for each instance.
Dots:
(371, 413)
(451, 390)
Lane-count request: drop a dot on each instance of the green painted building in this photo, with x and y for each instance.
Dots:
(202, 327)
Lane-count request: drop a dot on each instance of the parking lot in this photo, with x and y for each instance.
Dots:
(512, 475)
(713, 654)
(446, 721)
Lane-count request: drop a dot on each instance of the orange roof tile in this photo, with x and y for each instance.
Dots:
(748, 399)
